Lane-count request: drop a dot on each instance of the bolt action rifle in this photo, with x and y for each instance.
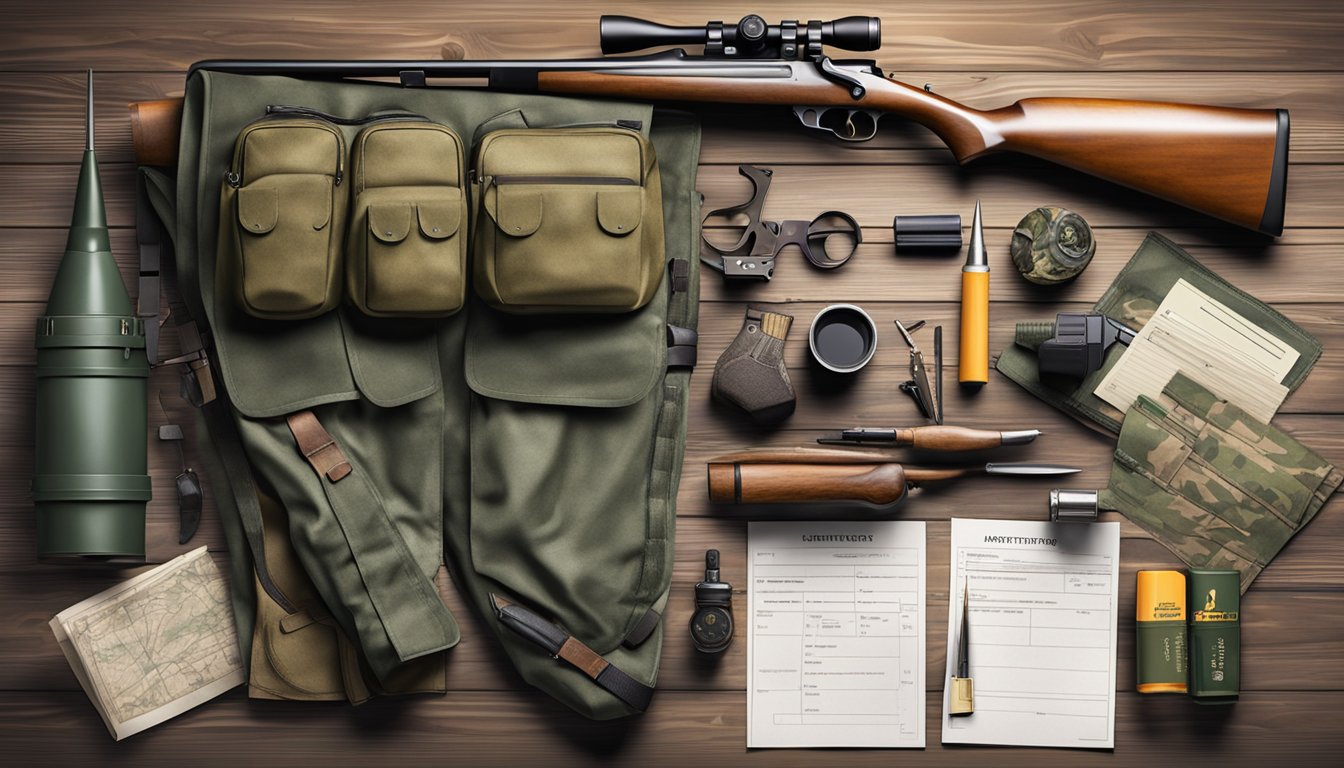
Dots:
(1226, 162)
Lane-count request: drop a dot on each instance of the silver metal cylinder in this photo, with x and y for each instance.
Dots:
(1073, 506)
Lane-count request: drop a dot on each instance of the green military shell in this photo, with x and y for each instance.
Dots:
(90, 478)
(1132, 299)
(545, 455)
(1218, 487)
(570, 220)
(1051, 245)
(406, 253)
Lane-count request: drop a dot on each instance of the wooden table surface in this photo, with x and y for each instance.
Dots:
(1247, 53)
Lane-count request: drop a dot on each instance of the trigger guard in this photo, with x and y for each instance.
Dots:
(810, 117)
(823, 262)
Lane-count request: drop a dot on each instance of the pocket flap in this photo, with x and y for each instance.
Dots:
(619, 209)
(258, 209)
(439, 220)
(390, 222)
(598, 361)
(517, 210)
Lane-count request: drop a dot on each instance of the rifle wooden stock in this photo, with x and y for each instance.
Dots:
(1229, 163)
(154, 130)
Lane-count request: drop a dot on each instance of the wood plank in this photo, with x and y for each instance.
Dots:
(1271, 271)
(509, 729)
(44, 122)
(1311, 662)
(28, 192)
(29, 257)
(1008, 187)
(834, 399)
(959, 34)
(721, 322)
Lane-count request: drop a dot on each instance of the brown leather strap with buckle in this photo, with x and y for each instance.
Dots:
(318, 446)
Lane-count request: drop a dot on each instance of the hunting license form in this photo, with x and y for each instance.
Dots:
(835, 640)
(1042, 628)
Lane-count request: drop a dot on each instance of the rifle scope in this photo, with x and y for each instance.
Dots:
(750, 38)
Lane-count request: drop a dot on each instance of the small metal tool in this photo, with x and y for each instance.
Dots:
(918, 386)
(938, 367)
(961, 697)
(1067, 505)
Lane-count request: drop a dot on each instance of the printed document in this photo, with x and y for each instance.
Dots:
(1042, 625)
(835, 642)
(1213, 345)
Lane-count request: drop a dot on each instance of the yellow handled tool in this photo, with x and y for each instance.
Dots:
(974, 356)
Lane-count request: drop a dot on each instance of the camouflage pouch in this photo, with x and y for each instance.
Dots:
(1132, 299)
(1216, 486)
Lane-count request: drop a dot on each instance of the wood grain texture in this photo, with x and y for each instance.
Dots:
(166, 35)
(481, 728)
(983, 53)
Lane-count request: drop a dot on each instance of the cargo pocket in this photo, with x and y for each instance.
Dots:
(567, 512)
(1240, 480)
(571, 220)
(281, 256)
(1157, 478)
(407, 243)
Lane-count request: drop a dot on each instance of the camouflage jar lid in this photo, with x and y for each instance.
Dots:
(1051, 245)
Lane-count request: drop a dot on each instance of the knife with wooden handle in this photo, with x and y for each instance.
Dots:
(936, 437)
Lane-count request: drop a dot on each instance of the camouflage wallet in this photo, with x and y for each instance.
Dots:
(1218, 487)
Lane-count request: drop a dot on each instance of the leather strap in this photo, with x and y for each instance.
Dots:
(317, 446)
(567, 648)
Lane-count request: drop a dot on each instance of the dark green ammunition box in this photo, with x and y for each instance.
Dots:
(1215, 635)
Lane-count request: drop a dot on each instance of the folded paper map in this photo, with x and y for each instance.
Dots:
(153, 647)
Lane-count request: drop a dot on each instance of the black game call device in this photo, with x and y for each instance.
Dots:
(712, 622)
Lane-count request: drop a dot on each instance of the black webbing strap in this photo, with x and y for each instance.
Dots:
(682, 347)
(642, 629)
(153, 242)
(681, 341)
(565, 647)
(156, 269)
